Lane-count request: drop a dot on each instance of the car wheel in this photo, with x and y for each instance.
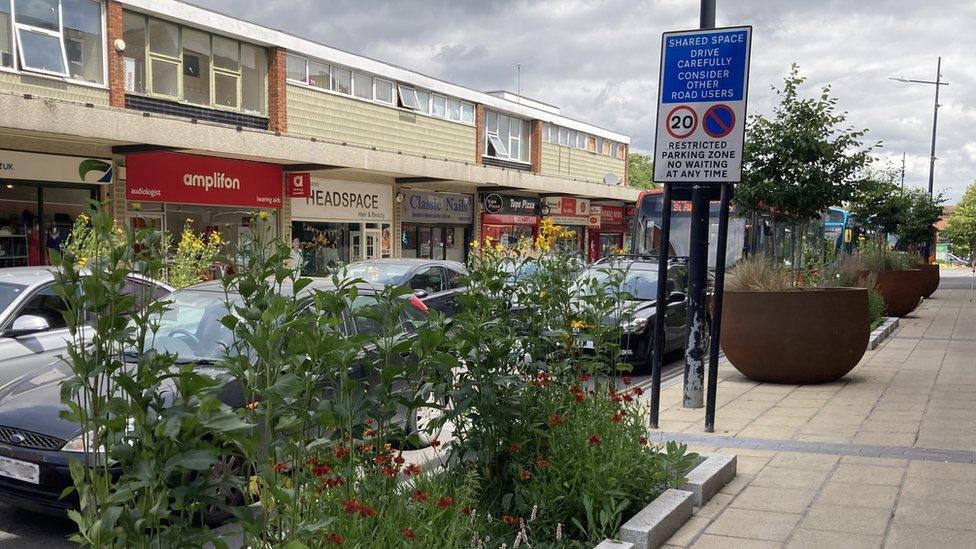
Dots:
(420, 423)
(226, 495)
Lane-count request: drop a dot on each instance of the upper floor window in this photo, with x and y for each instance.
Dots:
(166, 60)
(506, 137)
(566, 137)
(377, 89)
(55, 37)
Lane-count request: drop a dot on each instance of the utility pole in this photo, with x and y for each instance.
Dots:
(518, 82)
(903, 172)
(694, 378)
(938, 83)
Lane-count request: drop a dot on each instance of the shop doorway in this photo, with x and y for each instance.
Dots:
(373, 237)
(434, 242)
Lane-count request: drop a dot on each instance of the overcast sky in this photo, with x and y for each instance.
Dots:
(598, 60)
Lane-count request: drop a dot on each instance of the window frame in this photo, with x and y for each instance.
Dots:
(19, 67)
(304, 60)
(406, 91)
(393, 91)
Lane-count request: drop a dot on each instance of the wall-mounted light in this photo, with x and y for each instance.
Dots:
(399, 198)
(119, 45)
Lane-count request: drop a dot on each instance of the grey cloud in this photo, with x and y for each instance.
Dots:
(598, 60)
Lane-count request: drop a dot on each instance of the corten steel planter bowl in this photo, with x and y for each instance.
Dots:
(799, 337)
(930, 279)
(901, 290)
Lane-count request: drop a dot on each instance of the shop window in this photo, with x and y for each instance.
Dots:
(362, 86)
(58, 37)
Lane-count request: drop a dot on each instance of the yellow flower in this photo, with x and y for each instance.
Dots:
(475, 245)
(82, 262)
(215, 239)
(499, 248)
(488, 240)
(83, 218)
(577, 325)
(264, 216)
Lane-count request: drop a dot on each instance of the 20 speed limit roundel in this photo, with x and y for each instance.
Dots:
(681, 122)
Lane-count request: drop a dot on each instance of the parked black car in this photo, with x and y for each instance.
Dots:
(640, 283)
(36, 445)
(435, 282)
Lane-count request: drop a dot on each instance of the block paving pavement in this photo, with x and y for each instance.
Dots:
(882, 458)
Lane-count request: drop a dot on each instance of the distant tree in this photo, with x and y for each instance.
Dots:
(917, 227)
(961, 228)
(800, 161)
(640, 168)
(878, 203)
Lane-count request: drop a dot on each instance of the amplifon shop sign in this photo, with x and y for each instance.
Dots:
(178, 178)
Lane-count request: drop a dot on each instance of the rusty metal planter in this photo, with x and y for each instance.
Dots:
(930, 279)
(808, 336)
(901, 290)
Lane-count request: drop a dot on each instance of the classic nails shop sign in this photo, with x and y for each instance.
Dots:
(336, 200)
(428, 207)
(193, 179)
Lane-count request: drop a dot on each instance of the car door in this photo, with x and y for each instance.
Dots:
(431, 282)
(22, 353)
(677, 315)
(454, 283)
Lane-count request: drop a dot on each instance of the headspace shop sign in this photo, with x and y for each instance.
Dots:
(701, 113)
(337, 200)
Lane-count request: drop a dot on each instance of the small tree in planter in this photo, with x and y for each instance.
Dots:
(796, 165)
(802, 160)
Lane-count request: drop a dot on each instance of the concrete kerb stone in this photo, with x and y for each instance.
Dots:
(653, 525)
(710, 476)
(882, 333)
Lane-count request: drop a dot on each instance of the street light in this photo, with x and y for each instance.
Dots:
(935, 123)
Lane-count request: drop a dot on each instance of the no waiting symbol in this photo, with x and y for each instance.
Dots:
(681, 122)
(718, 121)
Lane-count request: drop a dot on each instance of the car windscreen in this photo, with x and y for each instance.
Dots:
(378, 273)
(9, 293)
(191, 327)
(641, 285)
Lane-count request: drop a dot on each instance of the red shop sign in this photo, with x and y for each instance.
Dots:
(509, 219)
(193, 179)
(612, 216)
(299, 184)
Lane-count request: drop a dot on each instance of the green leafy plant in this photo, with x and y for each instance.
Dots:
(876, 308)
(960, 229)
(194, 254)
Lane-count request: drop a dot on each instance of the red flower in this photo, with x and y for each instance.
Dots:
(514, 447)
(336, 539)
(281, 467)
(368, 421)
(445, 502)
(584, 377)
(580, 397)
(556, 420)
(525, 475)
(389, 471)
(541, 379)
(626, 380)
(407, 533)
(341, 452)
(321, 470)
(435, 443)
(398, 460)
(350, 506)
(419, 495)
(380, 459)
(466, 510)
(509, 519)
(412, 469)
(617, 418)
(595, 439)
(366, 511)
(642, 441)
(638, 391)
(542, 462)
(627, 398)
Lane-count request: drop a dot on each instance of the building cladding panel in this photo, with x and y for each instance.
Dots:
(313, 113)
(52, 88)
(575, 163)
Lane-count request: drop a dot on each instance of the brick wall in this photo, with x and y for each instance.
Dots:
(479, 128)
(116, 70)
(626, 164)
(277, 91)
(535, 146)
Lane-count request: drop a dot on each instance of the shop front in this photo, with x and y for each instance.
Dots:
(572, 214)
(174, 191)
(509, 219)
(435, 225)
(341, 222)
(41, 195)
(609, 237)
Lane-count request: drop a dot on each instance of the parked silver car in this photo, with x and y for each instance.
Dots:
(32, 329)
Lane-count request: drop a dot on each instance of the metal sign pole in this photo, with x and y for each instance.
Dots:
(716, 328)
(660, 307)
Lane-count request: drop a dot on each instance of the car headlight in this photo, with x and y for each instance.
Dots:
(77, 445)
(634, 326)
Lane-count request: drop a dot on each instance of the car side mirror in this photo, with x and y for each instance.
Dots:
(676, 297)
(420, 293)
(28, 324)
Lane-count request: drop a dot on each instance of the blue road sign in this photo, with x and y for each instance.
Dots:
(718, 121)
(709, 66)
